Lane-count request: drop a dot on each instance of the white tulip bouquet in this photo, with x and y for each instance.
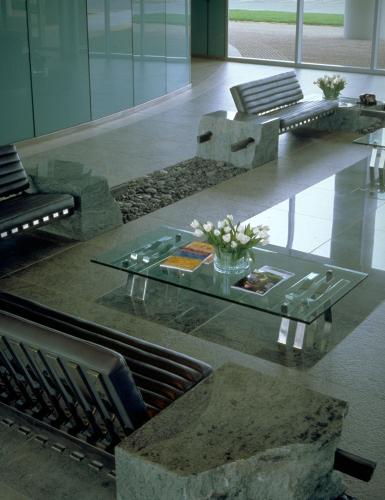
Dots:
(331, 86)
(230, 237)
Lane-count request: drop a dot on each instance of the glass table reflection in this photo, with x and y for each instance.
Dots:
(376, 140)
(310, 292)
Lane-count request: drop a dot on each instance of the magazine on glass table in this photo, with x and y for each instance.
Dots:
(262, 280)
(189, 257)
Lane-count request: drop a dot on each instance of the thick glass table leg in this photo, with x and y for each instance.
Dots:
(283, 331)
(373, 167)
(136, 287)
(130, 284)
(299, 335)
(381, 165)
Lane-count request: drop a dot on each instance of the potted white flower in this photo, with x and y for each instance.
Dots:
(331, 86)
(232, 242)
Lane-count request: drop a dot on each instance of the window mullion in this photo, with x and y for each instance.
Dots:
(299, 32)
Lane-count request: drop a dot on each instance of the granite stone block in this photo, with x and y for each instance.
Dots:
(96, 210)
(229, 128)
(237, 435)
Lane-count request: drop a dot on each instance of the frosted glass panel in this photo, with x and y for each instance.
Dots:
(59, 60)
(338, 33)
(177, 44)
(110, 49)
(16, 120)
(149, 49)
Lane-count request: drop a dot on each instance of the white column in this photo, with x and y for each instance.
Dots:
(358, 23)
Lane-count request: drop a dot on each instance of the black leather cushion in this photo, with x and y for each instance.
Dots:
(44, 356)
(302, 111)
(13, 178)
(22, 209)
(162, 375)
(268, 93)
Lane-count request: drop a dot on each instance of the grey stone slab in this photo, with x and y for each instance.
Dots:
(351, 119)
(38, 472)
(351, 362)
(230, 436)
(167, 305)
(9, 493)
(210, 204)
(29, 248)
(229, 129)
(96, 210)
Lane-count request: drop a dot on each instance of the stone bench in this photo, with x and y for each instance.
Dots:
(266, 108)
(280, 97)
(177, 430)
(20, 210)
(82, 380)
(238, 435)
(96, 210)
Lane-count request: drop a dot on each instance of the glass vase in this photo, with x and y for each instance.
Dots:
(331, 95)
(231, 262)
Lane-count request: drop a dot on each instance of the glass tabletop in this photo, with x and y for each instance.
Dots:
(376, 138)
(308, 290)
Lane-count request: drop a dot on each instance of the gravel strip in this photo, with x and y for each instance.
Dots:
(146, 194)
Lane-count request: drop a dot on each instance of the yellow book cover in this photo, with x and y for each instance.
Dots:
(182, 263)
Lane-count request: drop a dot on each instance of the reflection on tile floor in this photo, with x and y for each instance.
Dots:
(350, 361)
(167, 305)
(343, 226)
(28, 248)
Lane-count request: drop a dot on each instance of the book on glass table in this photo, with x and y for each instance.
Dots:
(189, 257)
(262, 280)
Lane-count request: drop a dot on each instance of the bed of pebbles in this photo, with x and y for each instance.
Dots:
(161, 188)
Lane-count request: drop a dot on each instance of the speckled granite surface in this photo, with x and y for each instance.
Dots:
(96, 211)
(239, 434)
(229, 128)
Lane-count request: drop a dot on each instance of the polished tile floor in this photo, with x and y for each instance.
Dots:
(314, 203)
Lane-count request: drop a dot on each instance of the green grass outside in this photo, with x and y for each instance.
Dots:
(267, 16)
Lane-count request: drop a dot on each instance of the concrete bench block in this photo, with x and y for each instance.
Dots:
(95, 209)
(229, 129)
(237, 435)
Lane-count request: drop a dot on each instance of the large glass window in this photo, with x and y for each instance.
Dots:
(338, 32)
(381, 35)
(261, 29)
(345, 33)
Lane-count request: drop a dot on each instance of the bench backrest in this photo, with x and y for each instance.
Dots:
(161, 375)
(75, 386)
(267, 94)
(13, 178)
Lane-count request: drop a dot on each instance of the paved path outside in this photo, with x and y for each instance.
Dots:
(321, 44)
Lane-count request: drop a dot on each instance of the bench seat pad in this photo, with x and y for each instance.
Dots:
(23, 209)
(66, 372)
(302, 111)
(161, 375)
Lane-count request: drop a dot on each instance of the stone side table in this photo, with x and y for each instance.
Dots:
(237, 435)
(95, 209)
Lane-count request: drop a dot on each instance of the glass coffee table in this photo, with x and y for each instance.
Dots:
(376, 140)
(308, 293)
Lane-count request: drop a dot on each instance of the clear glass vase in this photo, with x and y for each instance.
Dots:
(231, 262)
(331, 95)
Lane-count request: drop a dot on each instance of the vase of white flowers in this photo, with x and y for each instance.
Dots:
(232, 242)
(331, 86)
